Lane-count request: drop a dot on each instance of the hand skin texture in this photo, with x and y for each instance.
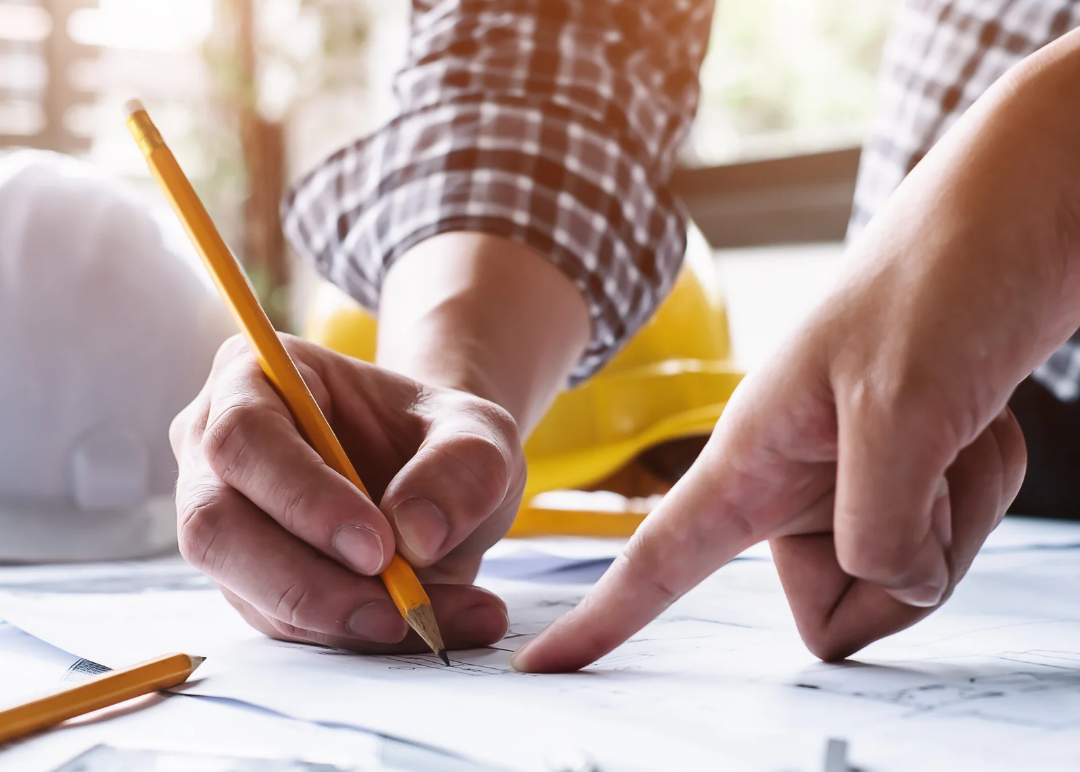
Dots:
(876, 451)
(465, 319)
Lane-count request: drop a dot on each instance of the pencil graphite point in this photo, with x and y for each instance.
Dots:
(445, 659)
(195, 662)
(422, 620)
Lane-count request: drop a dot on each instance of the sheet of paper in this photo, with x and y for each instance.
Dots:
(29, 665)
(181, 724)
(162, 728)
(480, 708)
(1021, 533)
(990, 682)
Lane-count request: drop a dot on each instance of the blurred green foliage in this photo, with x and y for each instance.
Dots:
(801, 71)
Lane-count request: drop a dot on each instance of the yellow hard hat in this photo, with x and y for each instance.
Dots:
(668, 385)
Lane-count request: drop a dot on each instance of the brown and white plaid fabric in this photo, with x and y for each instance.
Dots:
(941, 56)
(554, 123)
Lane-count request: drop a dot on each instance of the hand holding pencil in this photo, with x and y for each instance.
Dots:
(269, 509)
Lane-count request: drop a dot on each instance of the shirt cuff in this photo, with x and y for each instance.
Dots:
(546, 178)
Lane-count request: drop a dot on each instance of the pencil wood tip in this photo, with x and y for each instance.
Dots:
(133, 106)
(195, 662)
(445, 659)
(422, 620)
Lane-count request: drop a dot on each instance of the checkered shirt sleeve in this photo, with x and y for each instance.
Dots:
(553, 123)
(940, 57)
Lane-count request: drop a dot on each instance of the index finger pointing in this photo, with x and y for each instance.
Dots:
(691, 534)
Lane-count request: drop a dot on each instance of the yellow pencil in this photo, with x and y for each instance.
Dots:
(400, 580)
(101, 692)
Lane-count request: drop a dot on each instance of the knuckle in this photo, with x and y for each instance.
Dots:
(290, 605)
(283, 631)
(485, 461)
(177, 430)
(184, 425)
(875, 562)
(824, 640)
(898, 402)
(295, 502)
(826, 646)
(1013, 454)
(500, 421)
(229, 350)
(647, 568)
(228, 437)
(736, 523)
(519, 475)
(200, 526)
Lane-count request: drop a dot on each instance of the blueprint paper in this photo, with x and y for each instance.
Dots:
(32, 667)
(1022, 533)
(183, 724)
(990, 682)
(480, 708)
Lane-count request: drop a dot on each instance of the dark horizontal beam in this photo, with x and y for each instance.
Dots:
(798, 199)
(65, 142)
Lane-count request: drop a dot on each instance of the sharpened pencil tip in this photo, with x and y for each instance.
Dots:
(195, 662)
(445, 659)
(422, 620)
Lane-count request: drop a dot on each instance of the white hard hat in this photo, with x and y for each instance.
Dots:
(105, 334)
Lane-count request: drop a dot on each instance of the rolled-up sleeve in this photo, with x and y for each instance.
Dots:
(551, 123)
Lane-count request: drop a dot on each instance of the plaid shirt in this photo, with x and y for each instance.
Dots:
(941, 56)
(554, 123)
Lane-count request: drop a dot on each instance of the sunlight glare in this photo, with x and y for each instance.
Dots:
(161, 25)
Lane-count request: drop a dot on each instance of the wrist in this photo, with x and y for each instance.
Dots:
(983, 231)
(1040, 120)
(486, 315)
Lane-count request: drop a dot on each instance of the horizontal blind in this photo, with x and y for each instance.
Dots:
(37, 56)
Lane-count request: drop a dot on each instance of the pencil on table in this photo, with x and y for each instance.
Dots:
(400, 580)
(101, 692)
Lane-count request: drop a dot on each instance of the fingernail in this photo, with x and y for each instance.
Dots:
(517, 659)
(360, 547)
(923, 596)
(941, 515)
(422, 526)
(480, 625)
(378, 621)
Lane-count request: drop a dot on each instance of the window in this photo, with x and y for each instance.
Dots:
(785, 77)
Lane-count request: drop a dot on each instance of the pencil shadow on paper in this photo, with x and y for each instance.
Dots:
(1039, 689)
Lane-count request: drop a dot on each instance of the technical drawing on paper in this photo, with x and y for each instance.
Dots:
(1032, 688)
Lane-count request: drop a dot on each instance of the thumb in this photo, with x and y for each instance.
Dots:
(892, 516)
(467, 475)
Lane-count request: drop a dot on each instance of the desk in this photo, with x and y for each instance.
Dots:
(991, 682)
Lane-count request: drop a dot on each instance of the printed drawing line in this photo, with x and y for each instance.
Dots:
(995, 628)
(1038, 689)
(413, 662)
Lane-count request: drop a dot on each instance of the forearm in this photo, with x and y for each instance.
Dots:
(485, 315)
(997, 271)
